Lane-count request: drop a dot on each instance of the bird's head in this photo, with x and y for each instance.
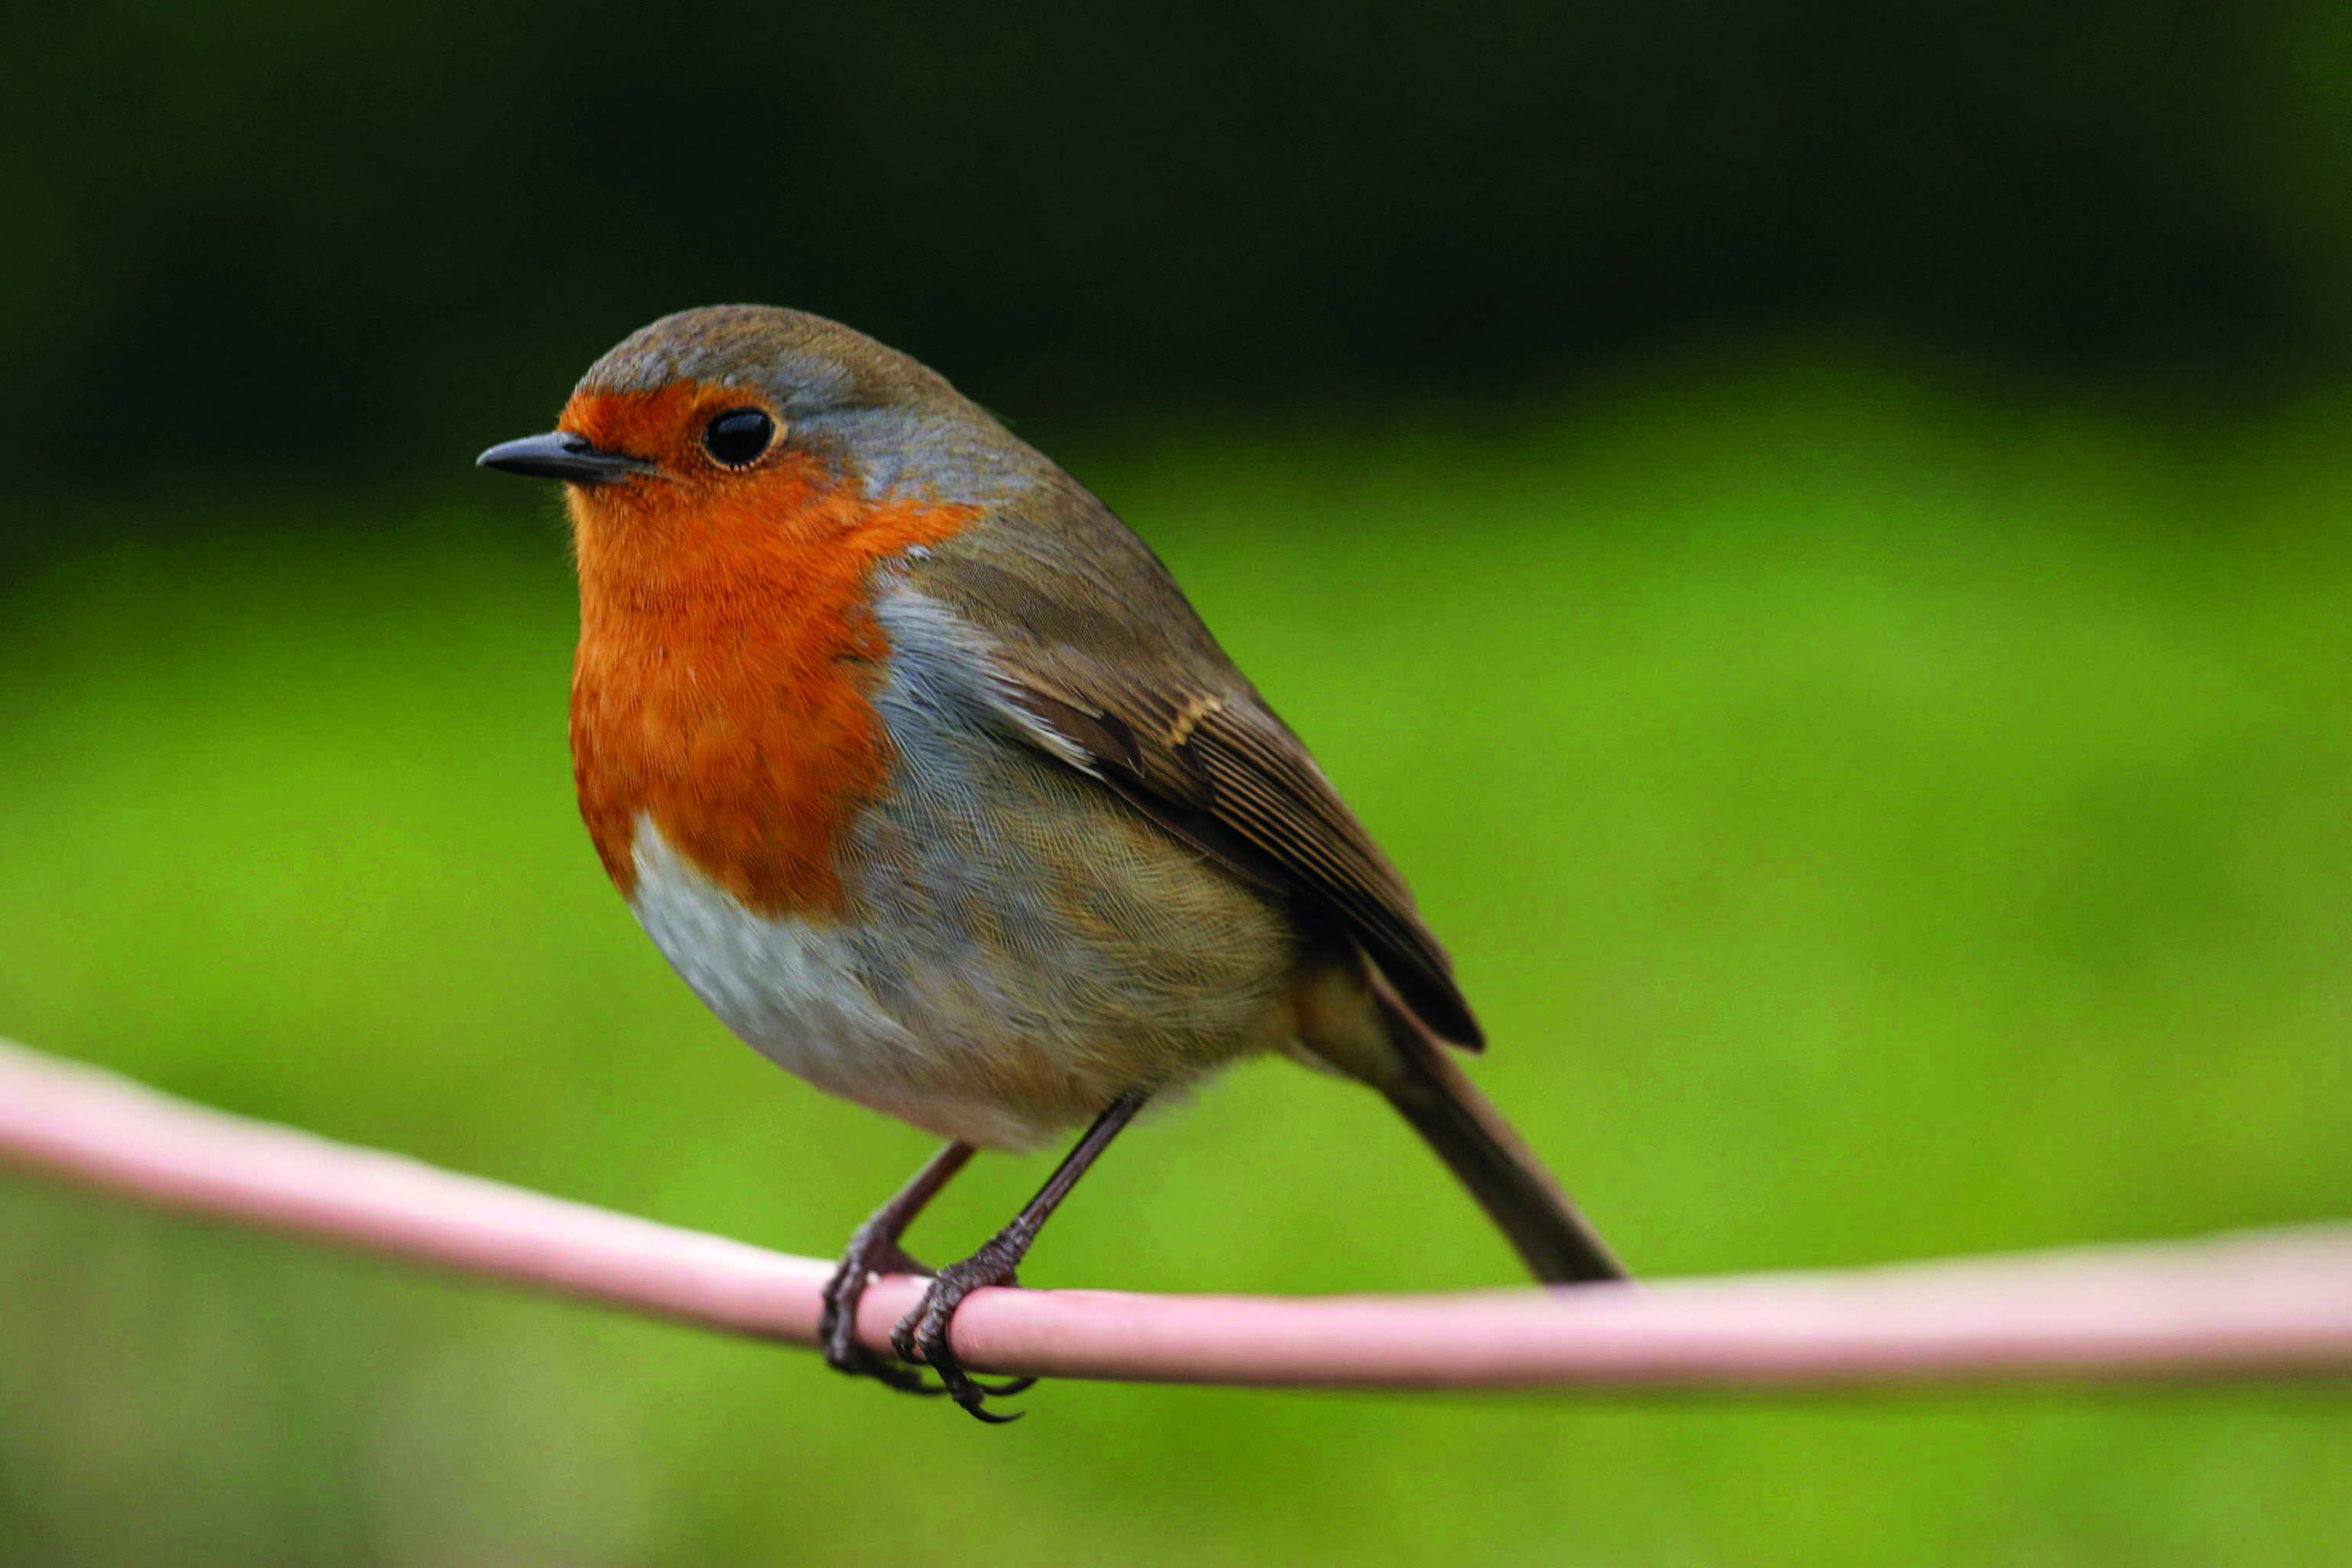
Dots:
(749, 417)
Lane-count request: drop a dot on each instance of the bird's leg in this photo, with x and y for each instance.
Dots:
(922, 1334)
(875, 1250)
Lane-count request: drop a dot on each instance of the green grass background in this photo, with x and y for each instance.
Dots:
(1876, 819)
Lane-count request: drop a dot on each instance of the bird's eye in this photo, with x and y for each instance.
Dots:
(736, 439)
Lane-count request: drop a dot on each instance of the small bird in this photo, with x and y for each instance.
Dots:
(923, 773)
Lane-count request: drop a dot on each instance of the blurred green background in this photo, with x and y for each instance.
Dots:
(1820, 537)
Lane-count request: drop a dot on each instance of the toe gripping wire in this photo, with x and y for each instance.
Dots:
(921, 1337)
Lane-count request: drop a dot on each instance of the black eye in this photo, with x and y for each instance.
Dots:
(736, 439)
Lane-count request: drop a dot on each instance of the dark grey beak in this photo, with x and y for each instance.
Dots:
(561, 454)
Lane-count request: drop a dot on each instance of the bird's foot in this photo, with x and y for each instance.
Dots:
(870, 1253)
(922, 1334)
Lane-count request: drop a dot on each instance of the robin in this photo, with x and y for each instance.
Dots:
(919, 767)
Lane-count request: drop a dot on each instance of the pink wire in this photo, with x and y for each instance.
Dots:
(2259, 1304)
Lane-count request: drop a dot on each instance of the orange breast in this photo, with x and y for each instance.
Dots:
(728, 658)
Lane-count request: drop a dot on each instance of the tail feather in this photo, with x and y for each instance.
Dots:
(1558, 1246)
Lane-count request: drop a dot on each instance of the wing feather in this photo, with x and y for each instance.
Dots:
(1102, 664)
(1222, 773)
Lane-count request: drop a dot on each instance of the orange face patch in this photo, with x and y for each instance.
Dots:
(728, 650)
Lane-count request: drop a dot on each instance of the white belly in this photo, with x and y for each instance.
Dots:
(796, 992)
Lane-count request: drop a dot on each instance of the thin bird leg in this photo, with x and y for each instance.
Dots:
(922, 1335)
(875, 1250)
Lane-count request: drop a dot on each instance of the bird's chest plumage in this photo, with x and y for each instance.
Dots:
(862, 873)
(724, 691)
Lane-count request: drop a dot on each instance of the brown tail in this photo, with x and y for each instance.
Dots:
(1479, 1147)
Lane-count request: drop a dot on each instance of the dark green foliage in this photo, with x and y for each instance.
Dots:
(285, 235)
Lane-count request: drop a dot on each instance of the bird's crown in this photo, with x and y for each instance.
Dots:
(806, 363)
(786, 376)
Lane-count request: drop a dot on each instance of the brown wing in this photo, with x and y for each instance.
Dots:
(1102, 649)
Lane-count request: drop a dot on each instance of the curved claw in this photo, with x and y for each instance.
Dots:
(975, 1411)
(883, 1369)
(971, 1395)
(921, 1335)
(837, 1324)
(1005, 1389)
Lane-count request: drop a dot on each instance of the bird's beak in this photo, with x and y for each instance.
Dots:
(561, 454)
